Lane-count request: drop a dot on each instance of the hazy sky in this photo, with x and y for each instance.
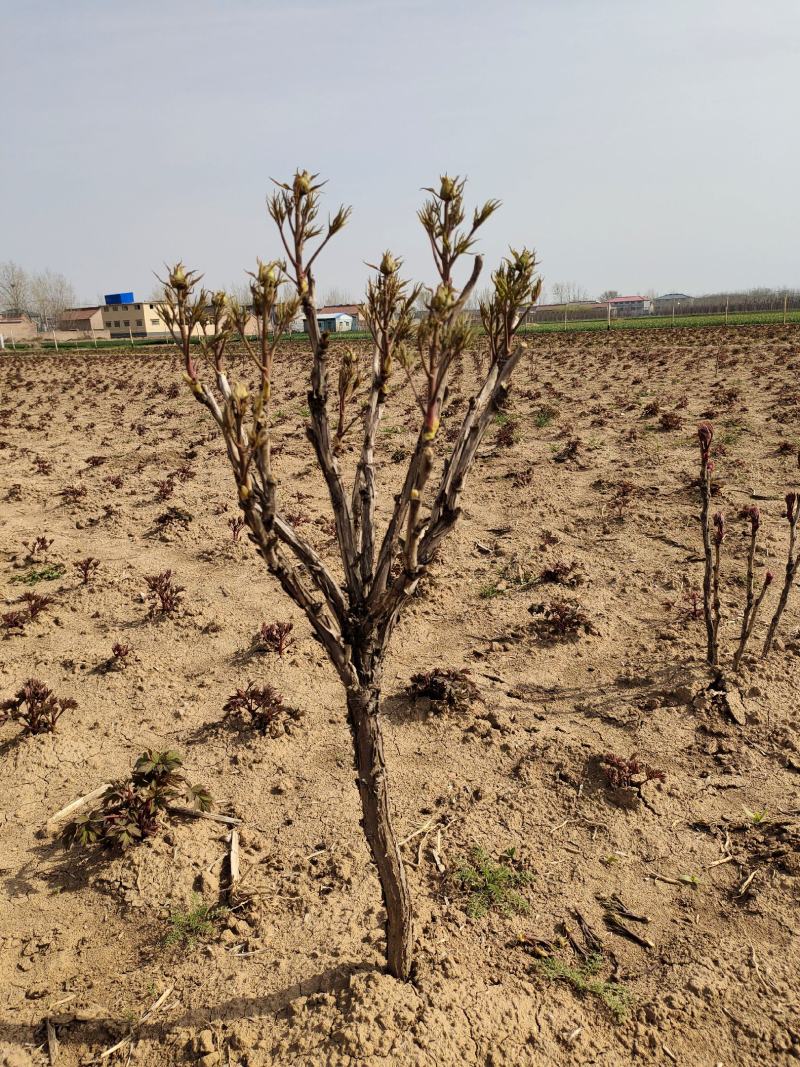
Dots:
(635, 144)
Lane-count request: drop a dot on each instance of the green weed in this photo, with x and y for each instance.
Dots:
(583, 979)
(756, 817)
(187, 927)
(49, 573)
(492, 885)
(544, 416)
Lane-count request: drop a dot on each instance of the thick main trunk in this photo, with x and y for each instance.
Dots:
(362, 709)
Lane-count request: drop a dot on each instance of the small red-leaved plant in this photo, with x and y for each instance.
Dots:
(13, 622)
(444, 688)
(236, 524)
(86, 568)
(560, 620)
(629, 773)
(38, 545)
(164, 595)
(274, 637)
(261, 707)
(36, 603)
(561, 572)
(35, 707)
(121, 654)
(73, 493)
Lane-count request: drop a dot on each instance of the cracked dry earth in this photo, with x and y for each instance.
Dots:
(590, 466)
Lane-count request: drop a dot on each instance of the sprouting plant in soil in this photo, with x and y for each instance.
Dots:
(121, 656)
(261, 708)
(87, 568)
(445, 688)
(35, 707)
(50, 572)
(714, 533)
(629, 774)
(163, 594)
(132, 810)
(584, 978)
(560, 620)
(562, 572)
(188, 926)
(274, 637)
(37, 547)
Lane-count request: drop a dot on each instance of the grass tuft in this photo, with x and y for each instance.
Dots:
(187, 927)
(49, 573)
(583, 979)
(491, 885)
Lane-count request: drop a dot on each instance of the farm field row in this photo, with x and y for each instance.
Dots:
(522, 842)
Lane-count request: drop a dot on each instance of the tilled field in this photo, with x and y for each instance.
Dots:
(583, 506)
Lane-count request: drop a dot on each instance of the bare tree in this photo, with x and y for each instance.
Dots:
(354, 618)
(51, 294)
(15, 288)
(568, 293)
(335, 297)
(238, 291)
(479, 297)
(609, 294)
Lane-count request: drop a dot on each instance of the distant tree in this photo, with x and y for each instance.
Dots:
(609, 294)
(335, 296)
(156, 294)
(568, 293)
(15, 288)
(240, 291)
(51, 294)
(478, 297)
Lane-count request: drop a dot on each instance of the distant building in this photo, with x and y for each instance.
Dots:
(332, 322)
(579, 309)
(664, 304)
(622, 306)
(141, 319)
(353, 310)
(84, 320)
(17, 327)
(132, 319)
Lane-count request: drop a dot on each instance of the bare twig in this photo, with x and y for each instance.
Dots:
(81, 802)
(705, 435)
(234, 872)
(143, 1019)
(52, 1041)
(792, 560)
(179, 809)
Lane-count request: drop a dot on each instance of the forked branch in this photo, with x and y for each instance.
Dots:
(354, 620)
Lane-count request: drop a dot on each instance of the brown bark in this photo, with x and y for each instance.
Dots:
(363, 710)
(792, 562)
(708, 573)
